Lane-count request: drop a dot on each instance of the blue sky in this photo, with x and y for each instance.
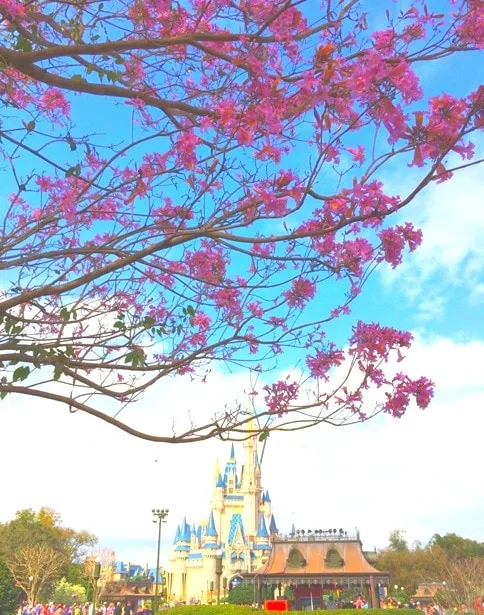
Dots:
(419, 473)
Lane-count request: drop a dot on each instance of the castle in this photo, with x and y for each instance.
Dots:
(236, 538)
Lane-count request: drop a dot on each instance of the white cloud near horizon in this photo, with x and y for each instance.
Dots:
(419, 473)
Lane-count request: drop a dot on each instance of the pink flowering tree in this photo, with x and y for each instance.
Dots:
(201, 183)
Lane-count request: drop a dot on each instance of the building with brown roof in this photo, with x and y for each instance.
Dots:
(426, 592)
(317, 566)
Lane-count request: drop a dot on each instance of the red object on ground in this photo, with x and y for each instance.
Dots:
(276, 605)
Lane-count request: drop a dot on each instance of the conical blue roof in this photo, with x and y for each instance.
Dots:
(272, 525)
(256, 459)
(185, 533)
(177, 535)
(262, 529)
(194, 531)
(211, 529)
(232, 451)
(268, 497)
(220, 481)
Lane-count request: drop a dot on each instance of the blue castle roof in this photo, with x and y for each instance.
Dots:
(272, 525)
(183, 532)
(262, 529)
(267, 497)
(152, 574)
(220, 481)
(177, 535)
(211, 530)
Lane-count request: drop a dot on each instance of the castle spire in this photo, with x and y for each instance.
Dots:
(262, 529)
(262, 536)
(232, 452)
(216, 472)
(211, 529)
(211, 534)
(177, 535)
(273, 525)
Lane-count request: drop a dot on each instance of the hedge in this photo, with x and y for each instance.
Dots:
(233, 609)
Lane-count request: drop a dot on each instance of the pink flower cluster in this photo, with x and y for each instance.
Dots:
(280, 395)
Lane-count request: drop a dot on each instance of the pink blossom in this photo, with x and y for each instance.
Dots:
(201, 320)
(394, 239)
(302, 290)
(322, 362)
(53, 100)
(279, 395)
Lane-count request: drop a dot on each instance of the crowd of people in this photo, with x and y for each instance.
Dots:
(111, 608)
(430, 608)
(86, 608)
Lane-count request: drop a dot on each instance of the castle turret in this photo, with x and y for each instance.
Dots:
(184, 536)
(216, 472)
(272, 526)
(179, 556)
(193, 538)
(210, 538)
(262, 537)
(267, 504)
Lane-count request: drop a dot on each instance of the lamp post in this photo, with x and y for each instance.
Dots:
(224, 582)
(96, 575)
(218, 570)
(160, 514)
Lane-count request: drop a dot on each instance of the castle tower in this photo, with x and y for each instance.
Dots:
(262, 537)
(238, 529)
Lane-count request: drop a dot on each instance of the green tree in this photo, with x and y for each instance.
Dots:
(75, 575)
(407, 568)
(397, 541)
(68, 593)
(29, 529)
(247, 594)
(38, 549)
(9, 594)
(33, 567)
(456, 546)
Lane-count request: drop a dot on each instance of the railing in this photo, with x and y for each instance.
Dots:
(316, 536)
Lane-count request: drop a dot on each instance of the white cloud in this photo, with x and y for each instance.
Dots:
(451, 216)
(417, 473)
(431, 307)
